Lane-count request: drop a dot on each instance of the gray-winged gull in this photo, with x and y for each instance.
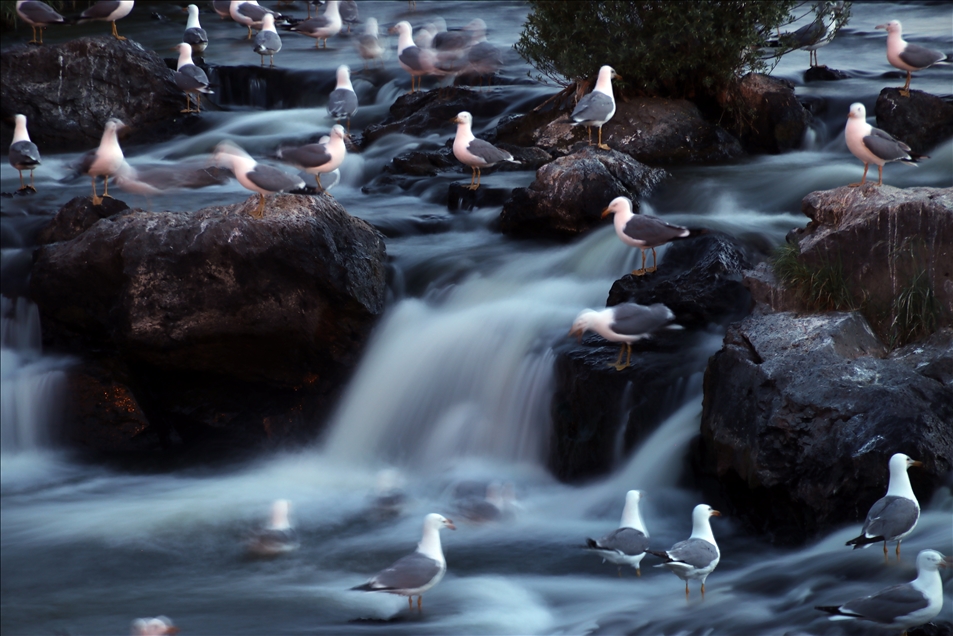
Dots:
(190, 78)
(254, 176)
(158, 626)
(625, 323)
(278, 536)
(318, 158)
(222, 8)
(369, 44)
(627, 544)
(249, 13)
(108, 12)
(818, 33)
(697, 556)
(322, 27)
(415, 60)
(905, 56)
(450, 46)
(872, 145)
(342, 102)
(106, 160)
(483, 58)
(267, 42)
(24, 155)
(195, 36)
(598, 107)
(644, 232)
(895, 515)
(38, 15)
(474, 152)
(349, 13)
(415, 573)
(900, 606)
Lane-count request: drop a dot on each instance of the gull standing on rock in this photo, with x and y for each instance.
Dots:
(320, 157)
(105, 160)
(598, 107)
(195, 36)
(483, 58)
(254, 176)
(905, 56)
(267, 41)
(625, 323)
(108, 12)
(322, 27)
(627, 544)
(415, 573)
(474, 152)
(644, 232)
(696, 557)
(872, 145)
(190, 78)
(413, 59)
(349, 13)
(38, 15)
(24, 155)
(249, 13)
(895, 515)
(342, 102)
(369, 44)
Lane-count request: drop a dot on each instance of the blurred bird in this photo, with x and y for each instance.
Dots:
(483, 58)
(195, 36)
(222, 8)
(697, 556)
(342, 103)
(415, 60)
(872, 145)
(267, 41)
(190, 79)
(106, 160)
(322, 27)
(278, 536)
(627, 544)
(474, 152)
(108, 12)
(349, 13)
(24, 155)
(450, 46)
(254, 176)
(369, 45)
(625, 323)
(598, 107)
(318, 158)
(250, 14)
(644, 232)
(158, 626)
(905, 56)
(895, 515)
(38, 15)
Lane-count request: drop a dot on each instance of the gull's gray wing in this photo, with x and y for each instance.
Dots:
(24, 155)
(890, 517)
(195, 36)
(309, 156)
(920, 57)
(267, 42)
(348, 11)
(38, 13)
(191, 78)
(451, 40)
(627, 541)
(488, 152)
(86, 161)
(99, 11)
(886, 147)
(273, 179)
(887, 605)
(594, 107)
(342, 102)
(808, 34)
(485, 58)
(311, 25)
(408, 573)
(631, 319)
(697, 553)
(652, 231)
(253, 11)
(412, 58)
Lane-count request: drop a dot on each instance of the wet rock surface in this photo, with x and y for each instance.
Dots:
(77, 216)
(765, 115)
(922, 121)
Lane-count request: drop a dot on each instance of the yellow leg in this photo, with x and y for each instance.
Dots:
(188, 104)
(420, 601)
(106, 186)
(862, 181)
(905, 91)
(898, 550)
(260, 211)
(34, 189)
(478, 177)
(317, 178)
(703, 591)
(641, 271)
(472, 177)
(96, 199)
(22, 186)
(686, 590)
(589, 130)
(618, 362)
(33, 41)
(654, 262)
(116, 33)
(410, 602)
(638, 572)
(886, 558)
(198, 107)
(602, 145)
(880, 182)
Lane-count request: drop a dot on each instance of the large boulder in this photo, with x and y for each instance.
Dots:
(765, 114)
(569, 194)
(237, 317)
(922, 121)
(802, 412)
(68, 91)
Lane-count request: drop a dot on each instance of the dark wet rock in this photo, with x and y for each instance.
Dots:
(461, 197)
(824, 74)
(234, 328)
(68, 91)
(922, 121)
(77, 216)
(420, 163)
(766, 289)
(765, 114)
(801, 414)
(569, 194)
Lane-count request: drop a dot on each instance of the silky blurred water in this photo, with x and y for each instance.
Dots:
(453, 392)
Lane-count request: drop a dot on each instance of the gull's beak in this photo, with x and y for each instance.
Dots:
(393, 29)
(606, 213)
(916, 463)
(715, 513)
(455, 120)
(450, 525)
(575, 331)
(947, 562)
(617, 76)
(881, 26)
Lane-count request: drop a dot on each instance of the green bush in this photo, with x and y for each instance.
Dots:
(669, 49)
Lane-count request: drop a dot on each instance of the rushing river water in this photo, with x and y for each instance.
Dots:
(453, 390)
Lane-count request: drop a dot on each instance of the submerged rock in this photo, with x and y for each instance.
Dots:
(922, 121)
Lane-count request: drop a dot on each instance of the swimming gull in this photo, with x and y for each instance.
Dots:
(254, 176)
(320, 157)
(195, 36)
(322, 27)
(598, 107)
(249, 13)
(905, 56)
(625, 323)
(349, 13)
(190, 79)
(895, 515)
(38, 15)
(278, 536)
(625, 545)
(900, 606)
(415, 60)
(644, 232)
(106, 160)
(108, 12)
(342, 102)
(474, 152)
(24, 155)
(369, 45)
(415, 573)
(267, 41)
(872, 145)
(697, 556)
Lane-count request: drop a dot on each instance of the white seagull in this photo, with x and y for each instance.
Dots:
(627, 544)
(249, 13)
(254, 176)
(625, 323)
(872, 145)
(24, 155)
(190, 79)
(369, 45)
(267, 41)
(278, 536)
(644, 232)
(417, 572)
(905, 56)
(598, 107)
(697, 556)
(474, 152)
(105, 160)
(895, 515)
(195, 36)
(319, 158)
(108, 12)
(342, 102)
(38, 15)
(413, 59)
(322, 27)
(900, 606)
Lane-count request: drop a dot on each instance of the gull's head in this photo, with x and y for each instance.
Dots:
(891, 27)
(900, 462)
(633, 497)
(618, 204)
(583, 323)
(702, 512)
(370, 27)
(435, 521)
(20, 120)
(226, 153)
(463, 117)
(193, 11)
(931, 561)
(402, 28)
(184, 49)
(857, 111)
(338, 132)
(609, 71)
(114, 125)
(279, 513)
(344, 73)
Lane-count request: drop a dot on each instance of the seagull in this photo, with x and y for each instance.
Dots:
(488, 509)
(369, 45)
(255, 176)
(222, 8)
(696, 557)
(450, 46)
(24, 155)
(321, 27)
(342, 103)
(105, 160)
(872, 145)
(349, 13)
(195, 36)
(895, 515)
(474, 152)
(249, 13)
(190, 78)
(108, 12)
(483, 58)
(625, 323)
(267, 41)
(598, 107)
(320, 157)
(900, 606)
(816, 34)
(905, 56)
(415, 573)
(278, 536)
(627, 544)
(644, 232)
(38, 15)
(413, 59)
(158, 626)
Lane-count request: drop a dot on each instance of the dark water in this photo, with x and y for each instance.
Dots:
(454, 388)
